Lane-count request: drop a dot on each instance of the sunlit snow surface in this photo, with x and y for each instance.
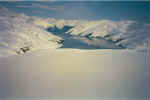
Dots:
(76, 75)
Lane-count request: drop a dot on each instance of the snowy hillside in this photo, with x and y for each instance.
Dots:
(20, 34)
(126, 34)
(17, 33)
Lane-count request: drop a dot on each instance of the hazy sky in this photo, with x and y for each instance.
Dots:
(83, 10)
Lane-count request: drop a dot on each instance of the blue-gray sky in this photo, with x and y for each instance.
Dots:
(74, 0)
(86, 10)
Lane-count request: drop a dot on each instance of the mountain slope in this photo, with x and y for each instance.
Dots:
(20, 34)
(123, 34)
(16, 32)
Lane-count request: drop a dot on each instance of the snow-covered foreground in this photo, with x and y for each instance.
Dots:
(75, 74)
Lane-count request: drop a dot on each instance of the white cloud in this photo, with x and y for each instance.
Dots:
(34, 5)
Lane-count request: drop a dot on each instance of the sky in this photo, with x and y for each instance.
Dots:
(83, 10)
(74, 0)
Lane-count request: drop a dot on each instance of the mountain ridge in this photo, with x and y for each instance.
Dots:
(20, 33)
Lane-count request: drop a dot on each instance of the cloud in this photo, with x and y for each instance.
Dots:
(48, 7)
(34, 5)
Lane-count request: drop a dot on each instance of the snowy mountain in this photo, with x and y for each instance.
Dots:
(20, 34)
(123, 34)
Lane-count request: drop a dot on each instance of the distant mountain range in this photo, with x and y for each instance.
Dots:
(20, 33)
